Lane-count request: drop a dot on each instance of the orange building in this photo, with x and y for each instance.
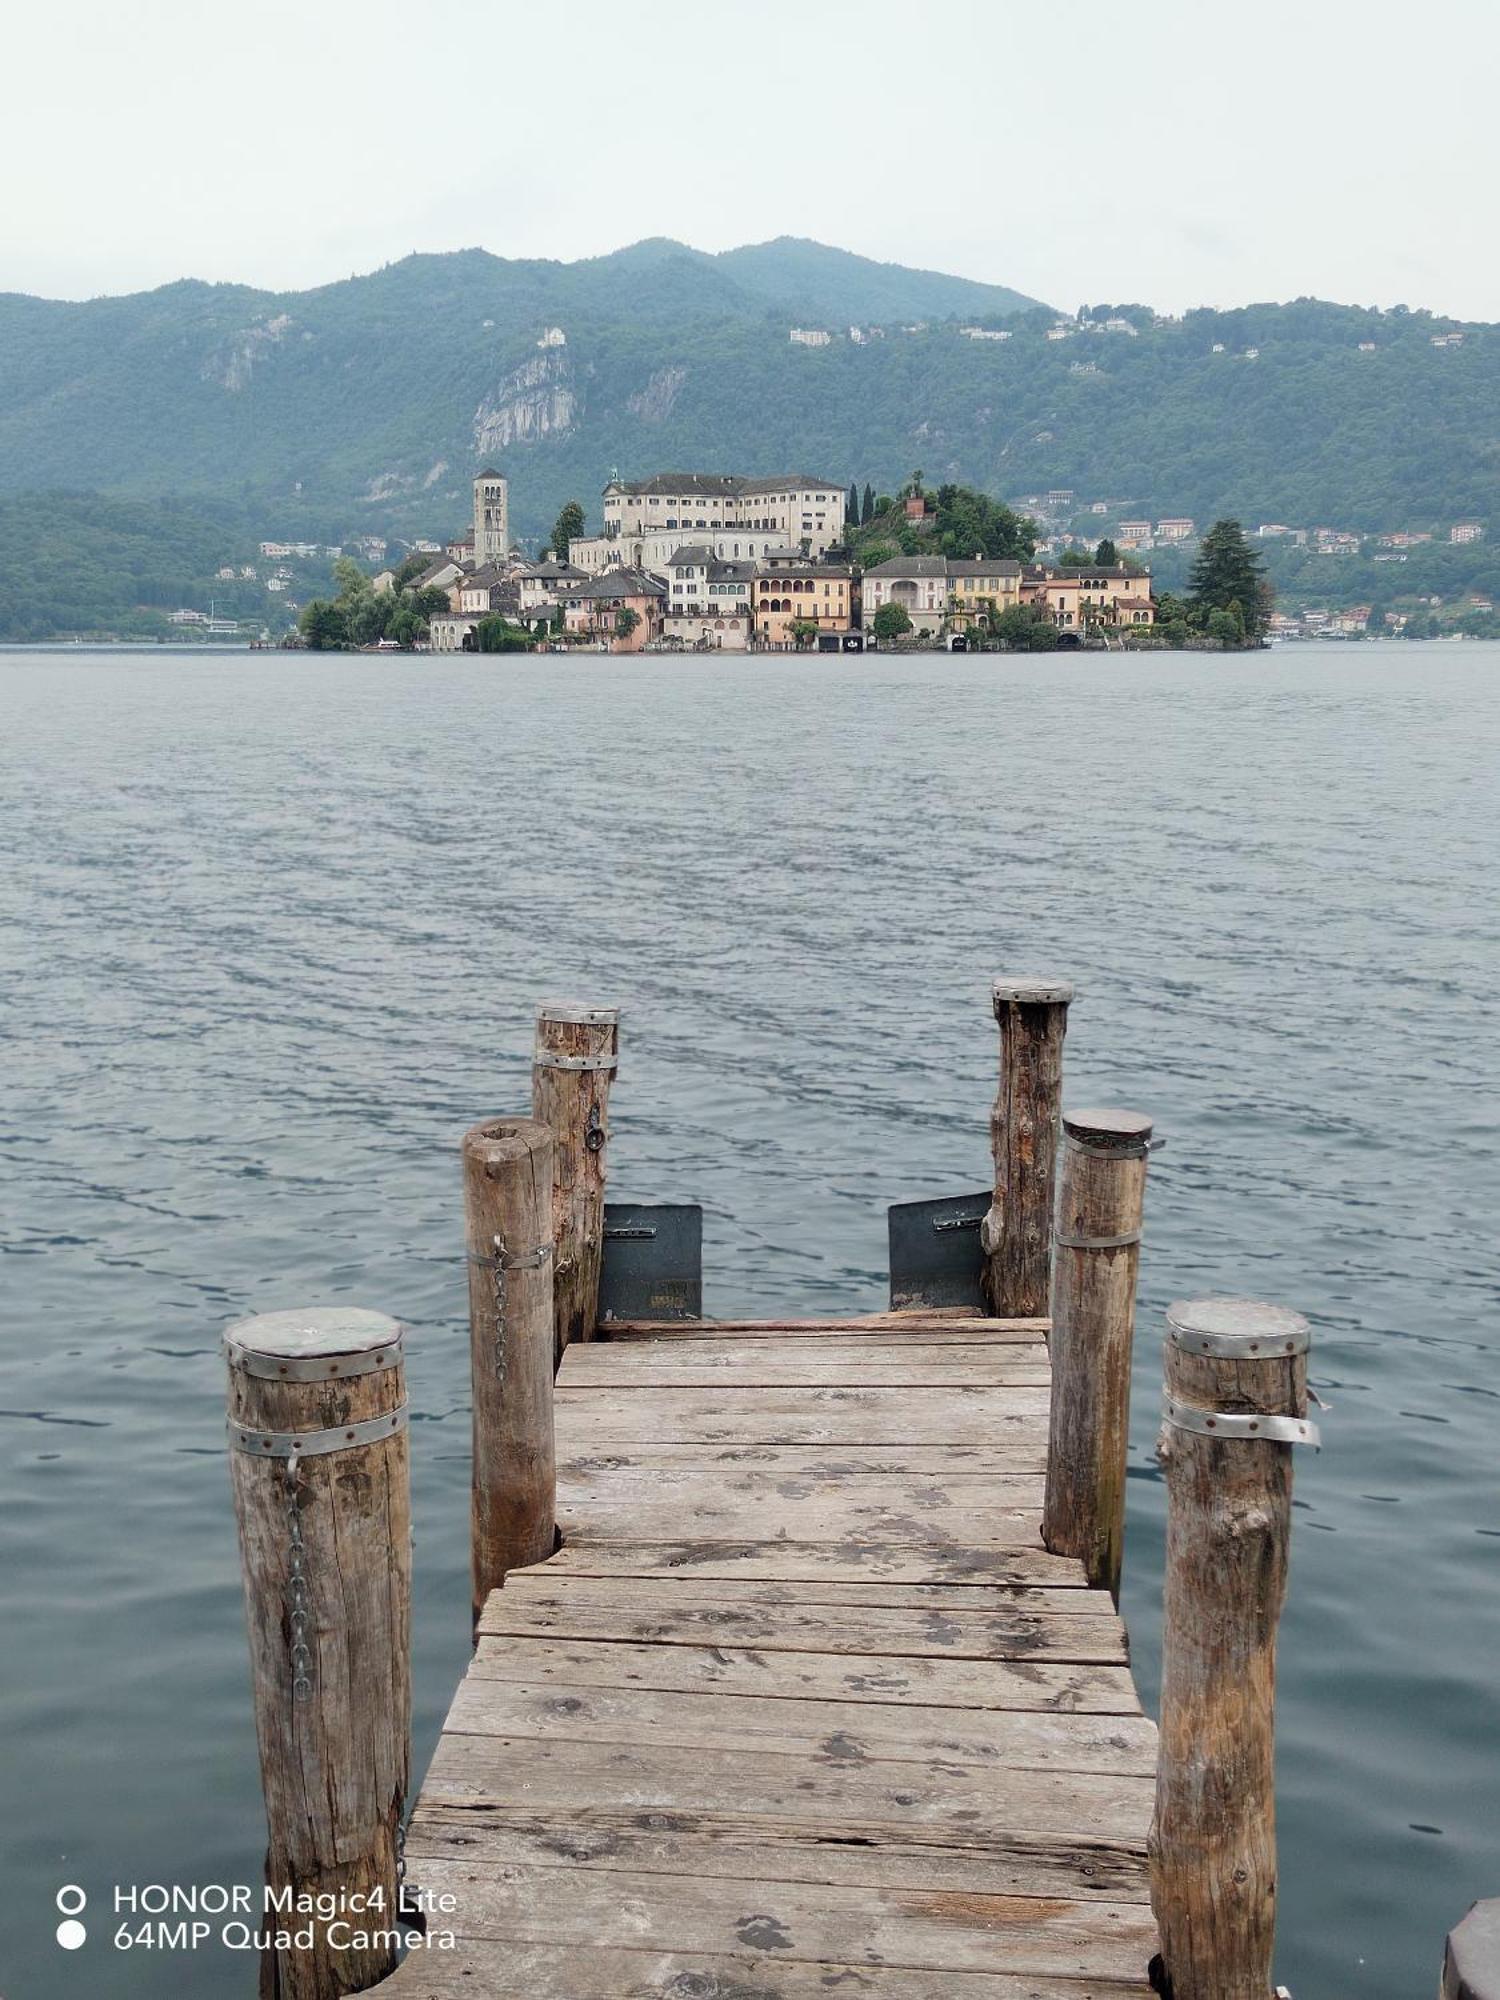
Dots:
(811, 593)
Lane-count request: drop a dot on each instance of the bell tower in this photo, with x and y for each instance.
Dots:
(491, 518)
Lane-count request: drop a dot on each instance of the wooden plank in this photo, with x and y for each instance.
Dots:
(859, 1563)
(627, 1592)
(486, 1969)
(959, 1564)
(642, 1618)
(758, 1350)
(954, 1805)
(689, 1585)
(587, 1418)
(823, 1462)
(1012, 1865)
(766, 1364)
(999, 1740)
(936, 1320)
(816, 1922)
(829, 1517)
(593, 1477)
(864, 1679)
(1007, 1510)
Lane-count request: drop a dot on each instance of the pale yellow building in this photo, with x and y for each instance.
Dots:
(981, 586)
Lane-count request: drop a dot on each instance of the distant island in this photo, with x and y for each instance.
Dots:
(204, 448)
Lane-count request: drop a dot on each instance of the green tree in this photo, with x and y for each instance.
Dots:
(1026, 628)
(322, 626)
(875, 553)
(972, 524)
(1225, 572)
(803, 631)
(1107, 556)
(626, 621)
(406, 625)
(891, 621)
(1227, 625)
(851, 505)
(1075, 559)
(497, 635)
(867, 505)
(567, 529)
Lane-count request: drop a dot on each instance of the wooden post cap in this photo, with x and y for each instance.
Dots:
(1109, 1128)
(313, 1343)
(577, 1014)
(1030, 992)
(494, 1142)
(1237, 1329)
(1471, 1962)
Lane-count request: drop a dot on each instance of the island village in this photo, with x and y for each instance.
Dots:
(711, 562)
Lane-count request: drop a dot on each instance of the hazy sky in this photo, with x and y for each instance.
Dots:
(1180, 152)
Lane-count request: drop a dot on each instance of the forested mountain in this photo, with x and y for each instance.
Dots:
(370, 403)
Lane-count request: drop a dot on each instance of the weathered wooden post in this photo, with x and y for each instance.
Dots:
(577, 1053)
(1471, 1959)
(1016, 1234)
(319, 1467)
(1096, 1254)
(508, 1211)
(1235, 1404)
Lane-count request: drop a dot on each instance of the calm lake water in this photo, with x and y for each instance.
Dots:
(271, 934)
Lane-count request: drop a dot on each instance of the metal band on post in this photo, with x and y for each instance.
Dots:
(1120, 1242)
(549, 1059)
(317, 1444)
(505, 1260)
(1236, 1424)
(1127, 1150)
(1237, 1329)
(577, 1016)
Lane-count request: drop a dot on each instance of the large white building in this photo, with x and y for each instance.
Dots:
(804, 513)
(655, 548)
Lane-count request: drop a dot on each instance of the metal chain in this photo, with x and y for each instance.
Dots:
(497, 1264)
(298, 1611)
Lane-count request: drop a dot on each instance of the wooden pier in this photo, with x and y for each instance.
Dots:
(797, 1664)
(801, 1706)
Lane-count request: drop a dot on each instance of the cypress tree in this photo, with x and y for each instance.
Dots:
(1227, 571)
(867, 510)
(851, 507)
